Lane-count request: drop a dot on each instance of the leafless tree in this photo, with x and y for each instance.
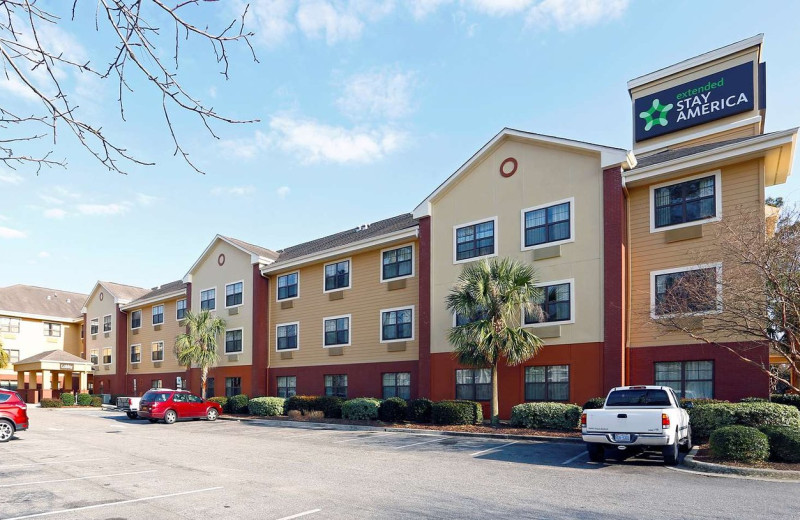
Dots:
(755, 299)
(139, 52)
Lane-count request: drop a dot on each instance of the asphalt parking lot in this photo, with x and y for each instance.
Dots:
(99, 464)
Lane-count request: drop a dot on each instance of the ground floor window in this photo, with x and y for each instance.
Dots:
(336, 385)
(8, 385)
(233, 386)
(397, 384)
(210, 387)
(156, 383)
(287, 386)
(548, 383)
(689, 379)
(474, 384)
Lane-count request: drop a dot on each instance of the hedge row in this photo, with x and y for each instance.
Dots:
(790, 399)
(266, 406)
(50, 403)
(456, 412)
(549, 416)
(68, 399)
(705, 419)
(739, 443)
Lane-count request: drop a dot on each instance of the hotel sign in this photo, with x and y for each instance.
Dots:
(67, 366)
(705, 99)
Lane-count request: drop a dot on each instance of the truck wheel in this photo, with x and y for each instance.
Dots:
(170, 416)
(687, 445)
(670, 452)
(6, 430)
(132, 415)
(597, 452)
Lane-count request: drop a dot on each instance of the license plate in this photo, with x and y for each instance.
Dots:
(622, 437)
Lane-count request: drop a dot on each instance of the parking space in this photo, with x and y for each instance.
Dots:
(99, 464)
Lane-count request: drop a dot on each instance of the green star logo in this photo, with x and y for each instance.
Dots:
(650, 117)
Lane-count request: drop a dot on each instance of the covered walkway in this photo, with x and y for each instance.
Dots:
(56, 370)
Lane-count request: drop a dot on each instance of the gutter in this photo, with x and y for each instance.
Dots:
(141, 303)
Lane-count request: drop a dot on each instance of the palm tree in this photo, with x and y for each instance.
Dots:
(494, 294)
(5, 358)
(198, 345)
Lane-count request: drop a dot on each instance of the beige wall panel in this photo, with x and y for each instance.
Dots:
(96, 308)
(745, 131)
(147, 335)
(30, 340)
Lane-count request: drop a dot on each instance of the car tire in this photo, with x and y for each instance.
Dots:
(687, 444)
(597, 452)
(670, 452)
(170, 416)
(132, 415)
(212, 414)
(6, 430)
(153, 420)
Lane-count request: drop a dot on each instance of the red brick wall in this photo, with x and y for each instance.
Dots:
(260, 334)
(424, 384)
(363, 379)
(614, 242)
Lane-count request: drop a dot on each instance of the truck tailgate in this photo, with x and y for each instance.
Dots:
(647, 420)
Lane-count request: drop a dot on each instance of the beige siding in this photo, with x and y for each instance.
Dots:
(147, 334)
(30, 340)
(97, 308)
(363, 301)
(745, 131)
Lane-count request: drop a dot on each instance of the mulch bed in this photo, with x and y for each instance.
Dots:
(704, 455)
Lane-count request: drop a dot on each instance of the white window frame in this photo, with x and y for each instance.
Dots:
(717, 200)
(200, 298)
(475, 258)
(349, 330)
(163, 314)
(110, 323)
(653, 274)
(413, 261)
(131, 352)
(571, 282)
(298, 335)
(140, 319)
(96, 353)
(298, 285)
(226, 294)
(163, 352)
(571, 238)
(225, 340)
(111, 357)
(185, 309)
(349, 280)
(413, 323)
(98, 326)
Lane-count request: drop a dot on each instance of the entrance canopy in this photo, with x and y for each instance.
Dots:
(50, 365)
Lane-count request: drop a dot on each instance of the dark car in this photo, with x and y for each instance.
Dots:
(172, 405)
(13, 414)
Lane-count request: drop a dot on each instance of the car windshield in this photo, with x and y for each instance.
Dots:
(156, 397)
(638, 398)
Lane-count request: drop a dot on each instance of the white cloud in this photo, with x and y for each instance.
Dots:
(3, 218)
(11, 233)
(212, 91)
(56, 213)
(422, 8)
(145, 200)
(246, 148)
(283, 192)
(66, 192)
(10, 177)
(500, 7)
(104, 209)
(315, 142)
(271, 18)
(239, 191)
(43, 254)
(50, 199)
(570, 14)
(378, 93)
(318, 17)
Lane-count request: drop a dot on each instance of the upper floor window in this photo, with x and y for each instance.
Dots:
(689, 379)
(397, 263)
(157, 351)
(13, 355)
(686, 290)
(337, 275)
(288, 286)
(136, 319)
(107, 356)
(475, 240)
(548, 225)
(548, 383)
(93, 356)
(337, 331)
(233, 294)
(52, 329)
(474, 384)
(136, 354)
(208, 299)
(397, 324)
(107, 323)
(233, 341)
(93, 326)
(287, 336)
(555, 302)
(9, 325)
(462, 319)
(180, 309)
(158, 314)
(693, 200)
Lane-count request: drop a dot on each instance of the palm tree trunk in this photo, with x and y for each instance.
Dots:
(203, 378)
(495, 398)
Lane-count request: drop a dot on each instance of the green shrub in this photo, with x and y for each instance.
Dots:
(419, 410)
(303, 403)
(739, 443)
(790, 399)
(594, 403)
(268, 406)
(67, 398)
(222, 401)
(701, 402)
(84, 399)
(361, 409)
(456, 412)
(393, 410)
(238, 403)
(784, 443)
(753, 400)
(707, 418)
(50, 403)
(329, 405)
(96, 401)
(549, 416)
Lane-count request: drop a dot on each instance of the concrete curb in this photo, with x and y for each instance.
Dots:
(355, 427)
(721, 469)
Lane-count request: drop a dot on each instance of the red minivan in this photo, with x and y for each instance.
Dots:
(172, 405)
(13, 414)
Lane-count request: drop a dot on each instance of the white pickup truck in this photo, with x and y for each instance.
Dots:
(129, 405)
(636, 418)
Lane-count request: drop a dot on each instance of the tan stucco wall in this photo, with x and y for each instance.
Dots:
(364, 301)
(95, 308)
(147, 334)
(545, 174)
(31, 339)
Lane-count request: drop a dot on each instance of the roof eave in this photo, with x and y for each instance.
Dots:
(163, 297)
(44, 317)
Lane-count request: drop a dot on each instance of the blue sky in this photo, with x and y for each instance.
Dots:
(365, 108)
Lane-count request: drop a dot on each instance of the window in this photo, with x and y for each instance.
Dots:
(158, 314)
(136, 319)
(547, 225)
(397, 263)
(93, 356)
(337, 275)
(397, 385)
(156, 383)
(233, 294)
(549, 383)
(287, 336)
(288, 286)
(52, 330)
(474, 384)
(157, 351)
(686, 290)
(13, 355)
(107, 356)
(136, 353)
(555, 302)
(689, 379)
(287, 386)
(233, 386)
(208, 299)
(93, 326)
(336, 385)
(9, 325)
(210, 387)
(461, 319)
(337, 331)
(686, 202)
(107, 323)
(180, 311)
(396, 324)
(233, 341)
(475, 240)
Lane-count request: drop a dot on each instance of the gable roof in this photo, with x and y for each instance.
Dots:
(40, 301)
(59, 356)
(257, 254)
(156, 293)
(252, 249)
(120, 292)
(677, 153)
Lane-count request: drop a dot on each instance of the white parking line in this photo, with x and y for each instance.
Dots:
(493, 448)
(10, 452)
(573, 459)
(417, 444)
(60, 461)
(76, 478)
(367, 437)
(108, 504)
(298, 515)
